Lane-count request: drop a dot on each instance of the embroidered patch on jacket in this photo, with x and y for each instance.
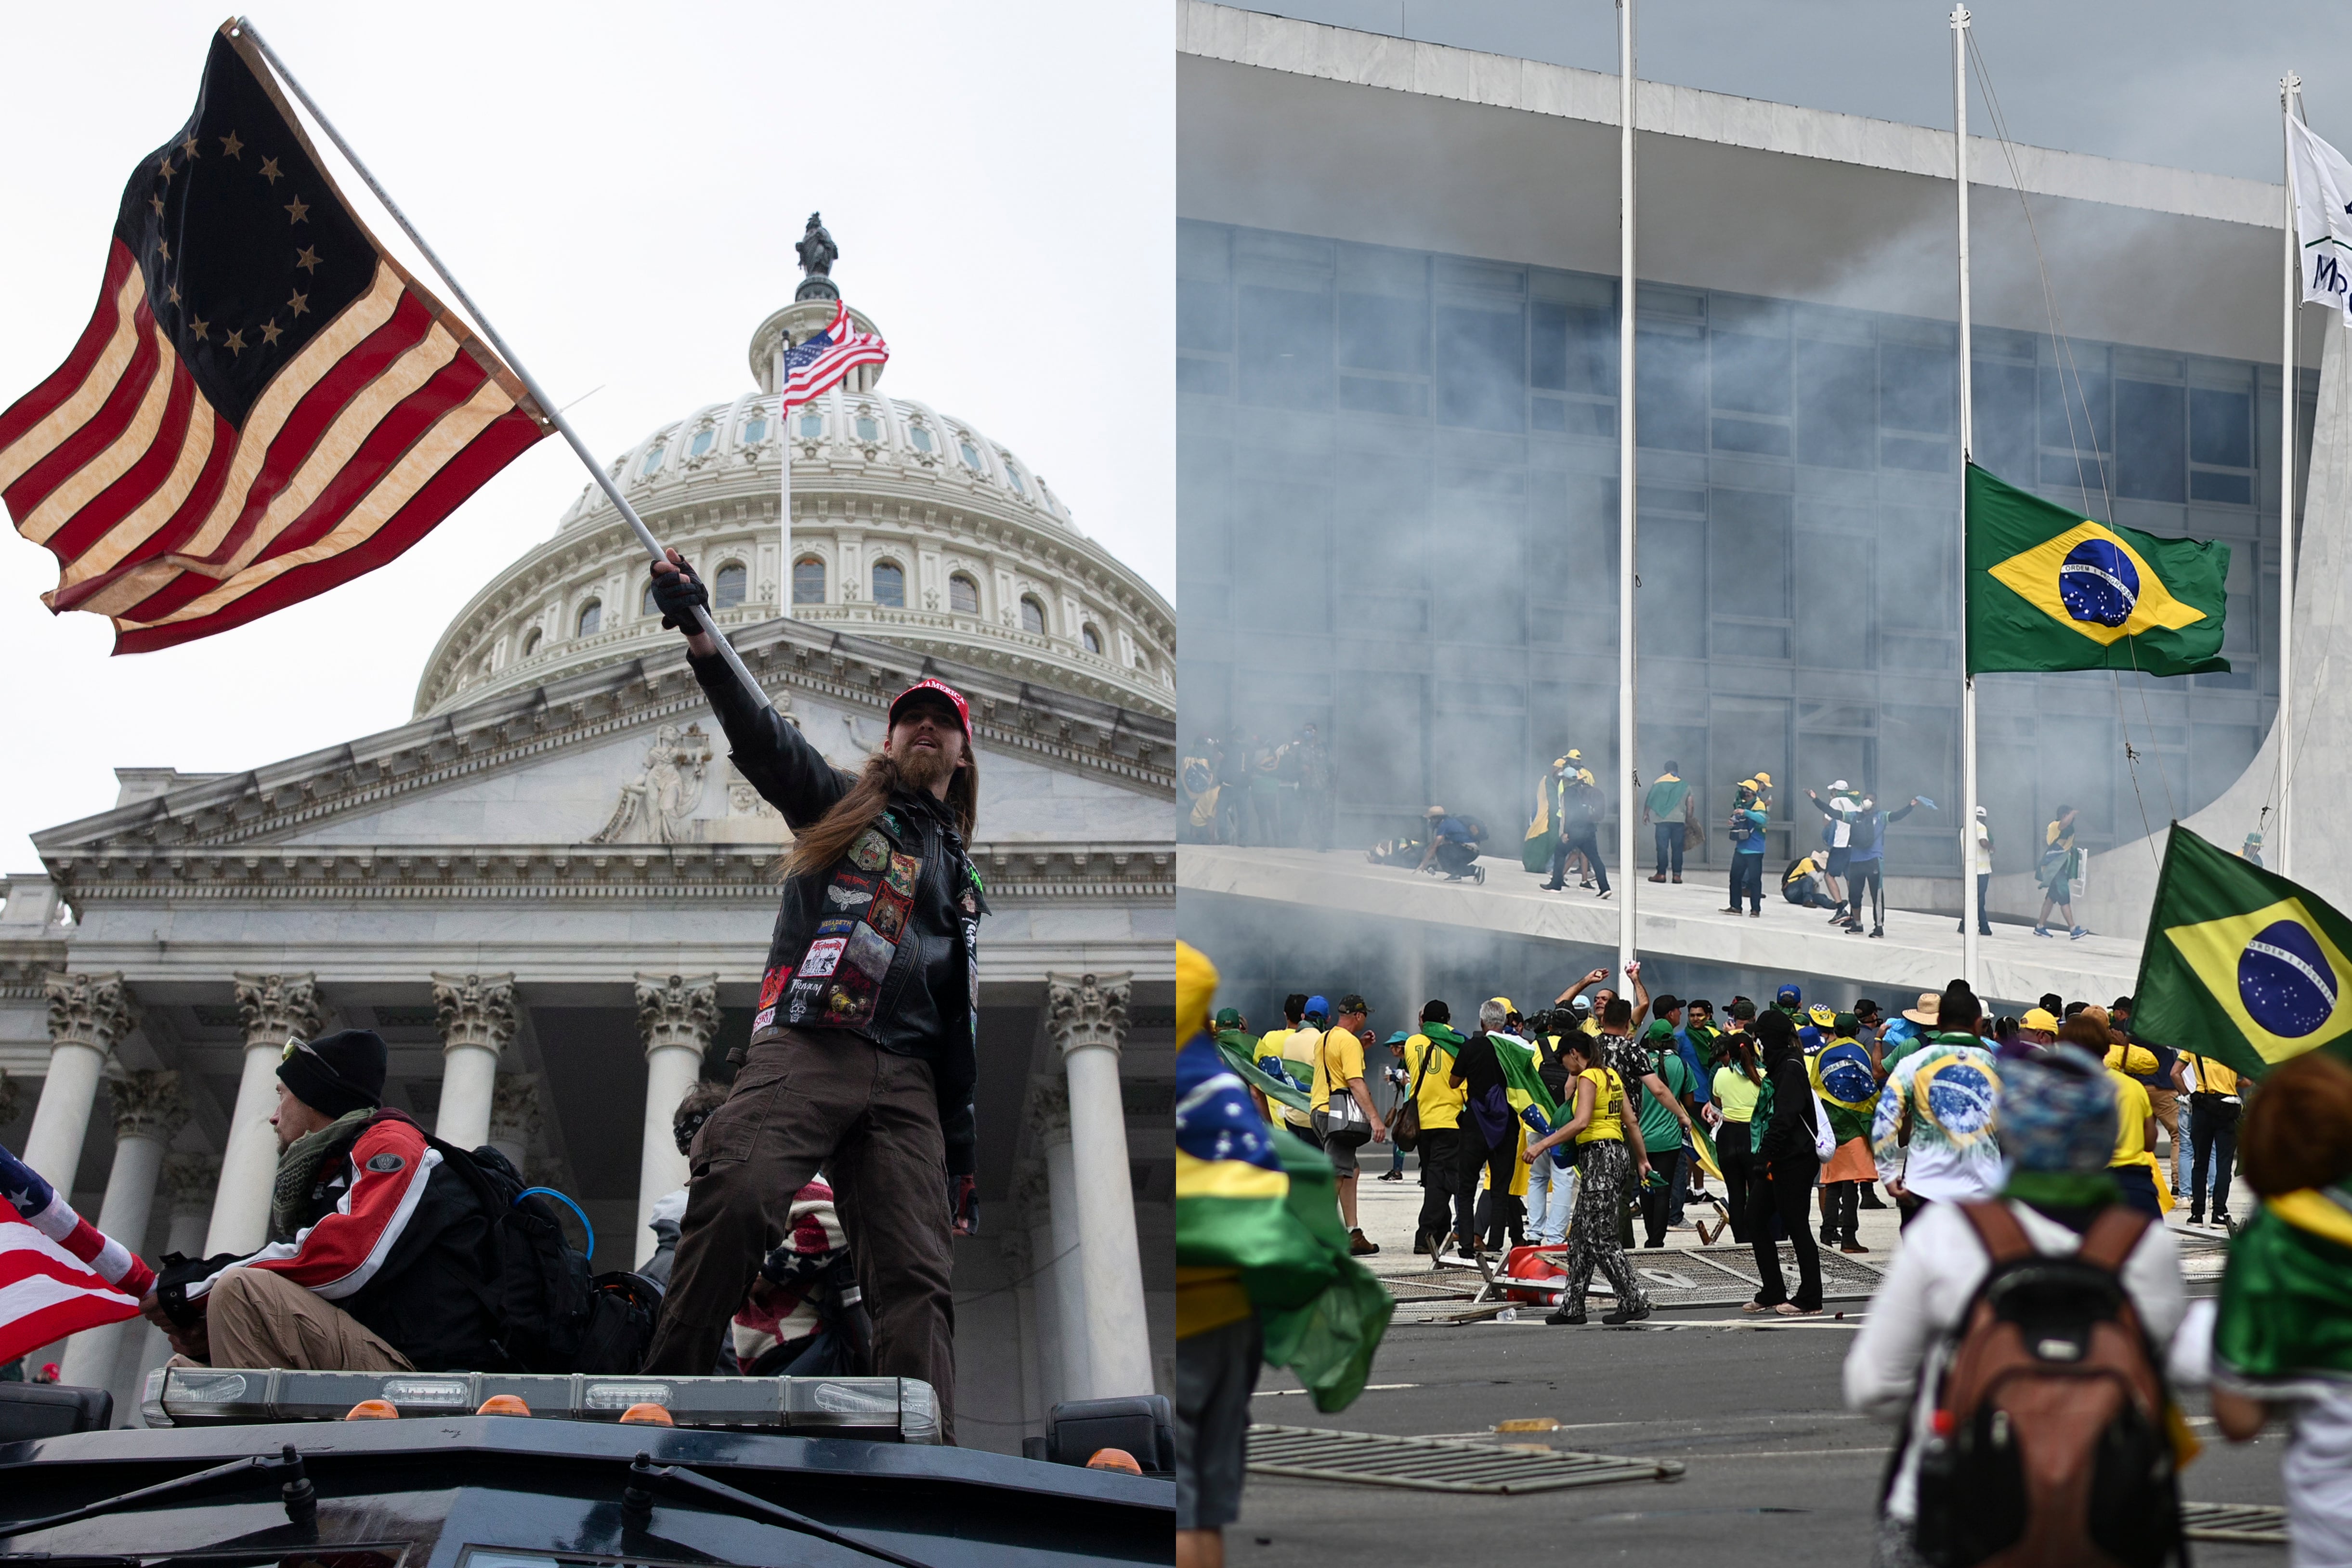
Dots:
(386, 1163)
(869, 953)
(849, 892)
(904, 868)
(836, 925)
(888, 914)
(762, 1018)
(851, 1001)
(824, 957)
(805, 997)
(871, 852)
(772, 986)
(970, 905)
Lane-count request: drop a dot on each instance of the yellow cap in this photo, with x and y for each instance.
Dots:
(1196, 987)
(1765, 779)
(1574, 753)
(2039, 1020)
(1823, 1014)
(1504, 1003)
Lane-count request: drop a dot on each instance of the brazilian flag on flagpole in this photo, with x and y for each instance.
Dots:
(2048, 589)
(2241, 964)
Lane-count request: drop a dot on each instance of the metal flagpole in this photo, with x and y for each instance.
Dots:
(1971, 909)
(1627, 774)
(2281, 837)
(546, 404)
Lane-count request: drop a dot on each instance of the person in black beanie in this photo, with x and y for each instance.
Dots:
(374, 1261)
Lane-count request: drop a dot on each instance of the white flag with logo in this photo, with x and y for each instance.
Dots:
(2322, 182)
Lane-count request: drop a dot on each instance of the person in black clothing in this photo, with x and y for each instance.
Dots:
(1488, 1134)
(863, 1051)
(1780, 1177)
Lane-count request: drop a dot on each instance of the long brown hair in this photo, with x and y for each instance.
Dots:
(828, 839)
(2298, 1126)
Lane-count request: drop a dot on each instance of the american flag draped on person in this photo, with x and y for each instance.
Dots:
(264, 405)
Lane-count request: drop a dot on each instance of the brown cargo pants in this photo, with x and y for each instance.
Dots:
(255, 1317)
(804, 1102)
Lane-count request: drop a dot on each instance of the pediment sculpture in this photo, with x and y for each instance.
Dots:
(658, 807)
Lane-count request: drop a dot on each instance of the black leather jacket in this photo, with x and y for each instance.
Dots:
(885, 942)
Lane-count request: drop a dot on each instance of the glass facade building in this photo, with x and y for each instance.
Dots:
(1397, 518)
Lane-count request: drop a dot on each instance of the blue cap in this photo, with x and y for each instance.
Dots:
(1398, 1038)
(1789, 996)
(1317, 1007)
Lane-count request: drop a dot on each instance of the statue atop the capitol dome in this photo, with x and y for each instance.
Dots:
(818, 253)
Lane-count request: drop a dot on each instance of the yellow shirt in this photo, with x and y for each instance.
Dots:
(1209, 1299)
(1299, 1049)
(2132, 1112)
(1608, 1121)
(2207, 1076)
(1338, 1056)
(1733, 1095)
(1440, 1103)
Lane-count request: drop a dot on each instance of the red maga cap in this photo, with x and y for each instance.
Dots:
(955, 700)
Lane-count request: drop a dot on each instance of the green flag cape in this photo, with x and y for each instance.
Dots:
(2048, 589)
(1664, 801)
(2285, 1320)
(2241, 964)
(1257, 1200)
(1230, 1045)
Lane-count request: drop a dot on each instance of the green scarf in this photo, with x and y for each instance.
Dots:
(2286, 1296)
(298, 1172)
(2048, 1190)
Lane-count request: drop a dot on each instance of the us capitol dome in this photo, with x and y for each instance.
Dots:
(908, 524)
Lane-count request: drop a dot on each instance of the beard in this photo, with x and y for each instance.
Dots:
(922, 768)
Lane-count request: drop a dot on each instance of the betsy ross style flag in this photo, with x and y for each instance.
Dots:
(2048, 589)
(2241, 964)
(811, 367)
(59, 1273)
(264, 406)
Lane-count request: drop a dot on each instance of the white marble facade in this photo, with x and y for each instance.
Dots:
(551, 894)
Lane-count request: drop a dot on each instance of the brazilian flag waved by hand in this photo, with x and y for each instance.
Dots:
(2049, 589)
(1258, 1209)
(2241, 964)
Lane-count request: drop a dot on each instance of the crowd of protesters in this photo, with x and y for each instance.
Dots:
(1999, 1138)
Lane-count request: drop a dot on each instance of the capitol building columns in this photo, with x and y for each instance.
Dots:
(88, 1014)
(149, 1112)
(273, 1010)
(1087, 1019)
(677, 1018)
(1050, 1118)
(476, 1014)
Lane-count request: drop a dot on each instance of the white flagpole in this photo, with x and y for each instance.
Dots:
(1971, 910)
(2280, 845)
(1627, 774)
(546, 404)
(784, 450)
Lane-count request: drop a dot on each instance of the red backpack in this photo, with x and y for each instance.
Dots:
(2049, 1447)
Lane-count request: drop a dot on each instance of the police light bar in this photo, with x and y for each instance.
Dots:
(883, 1409)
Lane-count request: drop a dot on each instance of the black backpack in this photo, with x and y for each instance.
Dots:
(552, 1315)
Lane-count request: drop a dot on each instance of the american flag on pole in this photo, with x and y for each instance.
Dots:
(815, 366)
(264, 406)
(59, 1273)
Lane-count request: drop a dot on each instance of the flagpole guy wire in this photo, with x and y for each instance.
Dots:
(1971, 908)
(1628, 772)
(546, 404)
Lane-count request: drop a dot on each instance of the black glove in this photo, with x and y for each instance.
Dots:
(677, 595)
(964, 1204)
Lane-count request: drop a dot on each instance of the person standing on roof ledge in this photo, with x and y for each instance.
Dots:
(864, 1051)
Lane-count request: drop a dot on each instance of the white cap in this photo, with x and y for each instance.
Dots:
(1980, 810)
(1839, 783)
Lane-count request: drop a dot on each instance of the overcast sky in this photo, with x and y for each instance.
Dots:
(2188, 83)
(619, 186)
